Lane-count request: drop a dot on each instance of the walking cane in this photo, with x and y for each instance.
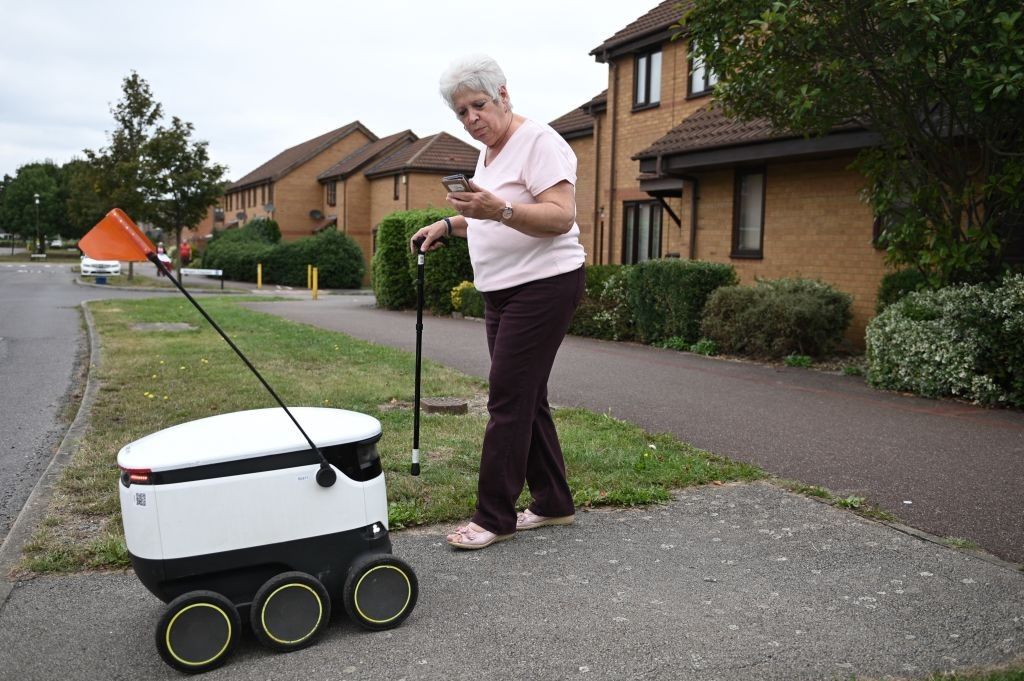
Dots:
(420, 259)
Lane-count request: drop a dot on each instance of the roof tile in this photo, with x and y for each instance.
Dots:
(289, 158)
(367, 154)
(659, 19)
(441, 152)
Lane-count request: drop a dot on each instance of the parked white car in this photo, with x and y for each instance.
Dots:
(93, 267)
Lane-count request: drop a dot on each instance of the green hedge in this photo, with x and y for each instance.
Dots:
(238, 251)
(667, 297)
(394, 266)
(960, 341)
(336, 256)
(777, 318)
(237, 257)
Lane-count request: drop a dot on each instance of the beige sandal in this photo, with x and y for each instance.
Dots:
(472, 536)
(528, 520)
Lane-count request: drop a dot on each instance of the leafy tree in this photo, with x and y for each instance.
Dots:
(119, 178)
(84, 205)
(18, 211)
(940, 81)
(179, 179)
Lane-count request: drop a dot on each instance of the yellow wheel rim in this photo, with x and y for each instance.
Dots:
(319, 614)
(170, 626)
(408, 594)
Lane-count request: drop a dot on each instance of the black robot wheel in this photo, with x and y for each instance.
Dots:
(198, 631)
(289, 611)
(380, 591)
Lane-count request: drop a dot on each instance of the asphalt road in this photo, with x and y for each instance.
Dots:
(42, 345)
(951, 469)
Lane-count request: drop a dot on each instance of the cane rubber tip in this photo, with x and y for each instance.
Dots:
(415, 469)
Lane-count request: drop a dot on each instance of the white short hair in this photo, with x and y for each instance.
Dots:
(476, 73)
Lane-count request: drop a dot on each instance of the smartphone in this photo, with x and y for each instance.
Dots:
(456, 183)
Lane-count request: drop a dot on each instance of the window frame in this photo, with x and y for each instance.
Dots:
(709, 84)
(737, 206)
(631, 243)
(396, 193)
(646, 57)
(332, 193)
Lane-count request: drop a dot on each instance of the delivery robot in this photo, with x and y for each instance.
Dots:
(226, 521)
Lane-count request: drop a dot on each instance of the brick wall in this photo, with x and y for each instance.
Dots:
(585, 152)
(815, 226)
(299, 192)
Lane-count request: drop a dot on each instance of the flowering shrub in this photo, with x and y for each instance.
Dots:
(960, 341)
(604, 312)
(467, 300)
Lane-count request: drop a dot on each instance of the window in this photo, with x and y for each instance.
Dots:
(270, 193)
(263, 194)
(397, 189)
(332, 193)
(641, 232)
(647, 80)
(702, 80)
(748, 214)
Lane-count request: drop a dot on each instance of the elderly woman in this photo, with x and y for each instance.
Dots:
(520, 220)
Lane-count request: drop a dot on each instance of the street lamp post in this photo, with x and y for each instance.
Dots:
(39, 239)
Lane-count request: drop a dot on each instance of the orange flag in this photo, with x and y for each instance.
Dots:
(116, 237)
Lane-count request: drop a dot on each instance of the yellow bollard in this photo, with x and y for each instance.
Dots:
(316, 281)
(309, 276)
(259, 275)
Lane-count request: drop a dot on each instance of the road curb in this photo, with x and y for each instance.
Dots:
(35, 507)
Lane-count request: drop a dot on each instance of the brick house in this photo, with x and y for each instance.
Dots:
(411, 176)
(346, 189)
(286, 188)
(671, 176)
(347, 179)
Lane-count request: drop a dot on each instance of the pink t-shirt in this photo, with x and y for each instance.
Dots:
(535, 158)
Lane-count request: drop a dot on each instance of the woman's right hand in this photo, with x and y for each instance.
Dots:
(431, 235)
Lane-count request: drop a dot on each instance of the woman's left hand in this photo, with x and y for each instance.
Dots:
(479, 203)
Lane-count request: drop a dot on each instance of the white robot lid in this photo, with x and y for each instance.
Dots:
(245, 435)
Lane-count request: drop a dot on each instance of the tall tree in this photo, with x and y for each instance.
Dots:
(21, 214)
(84, 205)
(119, 178)
(181, 181)
(941, 82)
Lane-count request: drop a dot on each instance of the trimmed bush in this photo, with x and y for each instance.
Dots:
(895, 285)
(237, 256)
(777, 318)
(336, 256)
(667, 297)
(467, 300)
(604, 311)
(394, 266)
(960, 341)
(238, 251)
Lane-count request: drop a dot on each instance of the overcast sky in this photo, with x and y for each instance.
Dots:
(260, 76)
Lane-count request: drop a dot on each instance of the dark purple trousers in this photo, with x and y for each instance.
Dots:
(525, 327)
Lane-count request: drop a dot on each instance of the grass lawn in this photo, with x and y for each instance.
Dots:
(150, 380)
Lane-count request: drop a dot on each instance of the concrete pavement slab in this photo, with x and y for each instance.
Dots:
(734, 582)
